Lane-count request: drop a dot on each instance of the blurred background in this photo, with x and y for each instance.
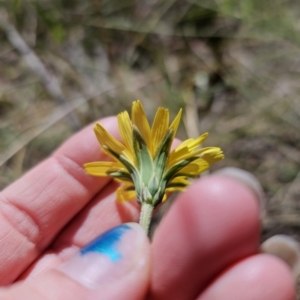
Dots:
(234, 66)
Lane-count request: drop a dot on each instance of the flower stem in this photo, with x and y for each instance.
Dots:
(145, 216)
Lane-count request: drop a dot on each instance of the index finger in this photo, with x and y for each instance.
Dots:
(37, 206)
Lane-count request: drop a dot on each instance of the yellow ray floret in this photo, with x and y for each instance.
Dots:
(140, 120)
(105, 139)
(101, 168)
(159, 128)
(125, 128)
(195, 168)
(174, 125)
(185, 148)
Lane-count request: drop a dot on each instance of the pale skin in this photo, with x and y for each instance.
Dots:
(205, 248)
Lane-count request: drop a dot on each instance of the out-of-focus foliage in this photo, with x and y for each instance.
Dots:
(233, 66)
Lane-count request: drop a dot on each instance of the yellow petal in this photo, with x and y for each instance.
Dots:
(109, 154)
(159, 128)
(175, 189)
(165, 197)
(212, 154)
(176, 122)
(185, 148)
(196, 167)
(193, 143)
(175, 156)
(139, 119)
(190, 169)
(123, 194)
(100, 168)
(125, 128)
(181, 180)
(105, 139)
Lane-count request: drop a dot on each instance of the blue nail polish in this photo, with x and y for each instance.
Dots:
(107, 243)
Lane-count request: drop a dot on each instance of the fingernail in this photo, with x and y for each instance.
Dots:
(247, 179)
(286, 248)
(109, 257)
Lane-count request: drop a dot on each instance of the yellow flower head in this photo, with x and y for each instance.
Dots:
(143, 161)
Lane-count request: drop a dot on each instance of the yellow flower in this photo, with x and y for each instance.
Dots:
(143, 161)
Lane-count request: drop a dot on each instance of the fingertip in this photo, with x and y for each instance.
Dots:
(249, 180)
(212, 224)
(258, 277)
(279, 275)
(224, 200)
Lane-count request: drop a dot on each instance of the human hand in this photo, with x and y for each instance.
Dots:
(205, 248)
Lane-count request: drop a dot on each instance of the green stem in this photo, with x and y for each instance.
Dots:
(145, 216)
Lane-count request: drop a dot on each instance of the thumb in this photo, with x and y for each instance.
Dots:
(116, 265)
